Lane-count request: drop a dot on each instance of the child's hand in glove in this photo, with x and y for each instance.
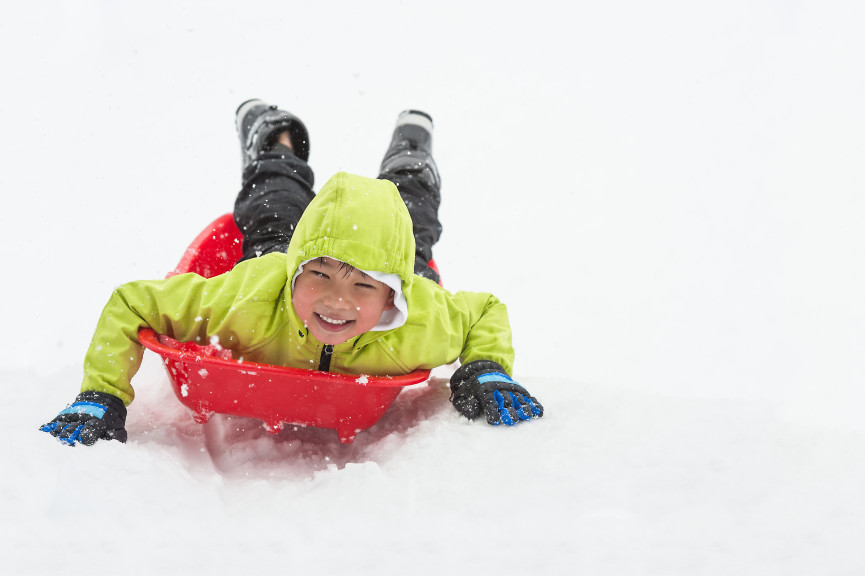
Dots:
(93, 416)
(483, 386)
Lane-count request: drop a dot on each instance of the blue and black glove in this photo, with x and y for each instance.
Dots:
(93, 416)
(483, 386)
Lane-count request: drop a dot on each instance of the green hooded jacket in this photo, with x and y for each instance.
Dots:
(357, 220)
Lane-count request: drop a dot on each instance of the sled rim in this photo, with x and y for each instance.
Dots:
(150, 340)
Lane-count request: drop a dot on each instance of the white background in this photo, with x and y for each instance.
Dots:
(668, 195)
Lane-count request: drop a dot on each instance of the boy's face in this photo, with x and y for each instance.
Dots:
(337, 302)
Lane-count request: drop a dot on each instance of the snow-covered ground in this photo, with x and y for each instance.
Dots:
(668, 195)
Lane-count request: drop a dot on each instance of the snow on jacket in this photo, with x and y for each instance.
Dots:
(357, 220)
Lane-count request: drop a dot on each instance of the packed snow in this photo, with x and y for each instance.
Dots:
(668, 195)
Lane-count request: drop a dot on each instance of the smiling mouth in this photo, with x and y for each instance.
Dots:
(332, 324)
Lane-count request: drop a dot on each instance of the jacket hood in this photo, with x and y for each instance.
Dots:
(360, 221)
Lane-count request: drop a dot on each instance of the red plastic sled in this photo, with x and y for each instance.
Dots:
(207, 380)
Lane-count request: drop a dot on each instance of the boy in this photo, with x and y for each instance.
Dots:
(336, 281)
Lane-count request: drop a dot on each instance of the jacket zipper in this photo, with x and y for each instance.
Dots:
(324, 361)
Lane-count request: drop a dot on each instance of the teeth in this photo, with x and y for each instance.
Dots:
(332, 321)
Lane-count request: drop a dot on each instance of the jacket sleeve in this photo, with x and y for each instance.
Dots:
(236, 307)
(174, 306)
(487, 331)
(467, 326)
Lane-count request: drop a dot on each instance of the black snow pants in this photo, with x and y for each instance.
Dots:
(278, 187)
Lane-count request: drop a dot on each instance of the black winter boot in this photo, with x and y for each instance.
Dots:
(410, 149)
(259, 123)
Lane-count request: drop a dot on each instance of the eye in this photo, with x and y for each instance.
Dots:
(365, 286)
(318, 274)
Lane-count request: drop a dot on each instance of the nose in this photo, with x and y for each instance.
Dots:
(337, 299)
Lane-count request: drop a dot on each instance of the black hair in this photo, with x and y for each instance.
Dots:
(346, 269)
